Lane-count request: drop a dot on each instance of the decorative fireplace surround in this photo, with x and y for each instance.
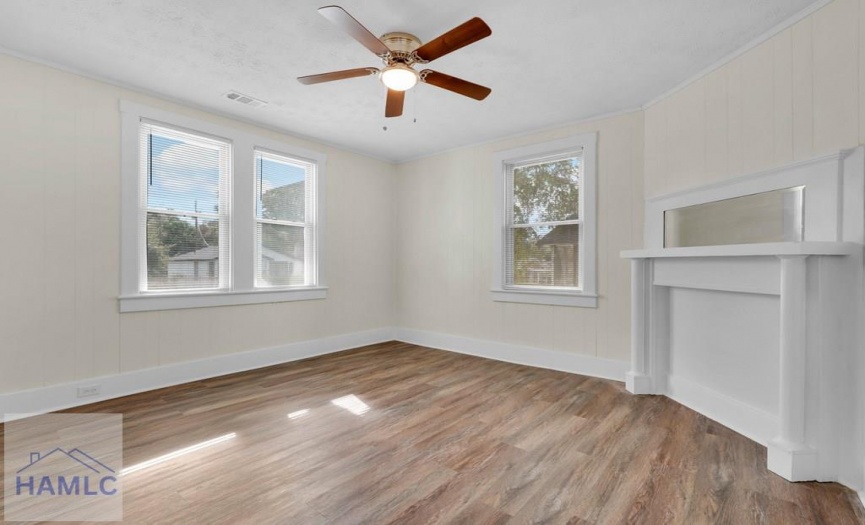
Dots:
(764, 338)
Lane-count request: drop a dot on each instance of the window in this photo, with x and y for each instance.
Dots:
(283, 201)
(185, 214)
(215, 216)
(545, 224)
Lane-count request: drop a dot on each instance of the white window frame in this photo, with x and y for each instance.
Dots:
(310, 212)
(241, 287)
(587, 295)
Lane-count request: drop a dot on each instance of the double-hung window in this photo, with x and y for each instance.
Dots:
(545, 223)
(184, 219)
(215, 216)
(284, 238)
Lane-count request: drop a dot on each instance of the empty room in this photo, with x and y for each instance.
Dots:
(381, 262)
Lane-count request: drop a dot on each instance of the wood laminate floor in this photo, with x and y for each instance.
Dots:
(426, 436)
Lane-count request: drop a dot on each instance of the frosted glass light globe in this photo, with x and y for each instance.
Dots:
(399, 77)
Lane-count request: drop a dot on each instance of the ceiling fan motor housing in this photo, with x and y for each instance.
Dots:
(401, 45)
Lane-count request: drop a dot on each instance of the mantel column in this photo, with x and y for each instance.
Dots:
(638, 380)
(788, 455)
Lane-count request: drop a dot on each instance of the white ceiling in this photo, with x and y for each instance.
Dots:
(548, 62)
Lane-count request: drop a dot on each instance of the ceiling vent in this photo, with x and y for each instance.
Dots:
(245, 99)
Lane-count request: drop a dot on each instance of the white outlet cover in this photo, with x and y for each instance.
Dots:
(88, 391)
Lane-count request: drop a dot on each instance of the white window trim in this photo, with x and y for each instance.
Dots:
(587, 297)
(242, 288)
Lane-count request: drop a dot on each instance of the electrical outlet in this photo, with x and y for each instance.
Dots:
(88, 391)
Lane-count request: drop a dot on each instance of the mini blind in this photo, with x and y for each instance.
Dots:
(543, 222)
(284, 221)
(184, 215)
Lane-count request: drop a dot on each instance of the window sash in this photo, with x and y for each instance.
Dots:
(309, 233)
(510, 225)
(146, 130)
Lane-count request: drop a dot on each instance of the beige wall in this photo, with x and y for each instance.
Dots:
(798, 95)
(59, 244)
(445, 251)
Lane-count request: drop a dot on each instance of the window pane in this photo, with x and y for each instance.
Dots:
(182, 252)
(182, 174)
(281, 255)
(547, 191)
(544, 256)
(281, 189)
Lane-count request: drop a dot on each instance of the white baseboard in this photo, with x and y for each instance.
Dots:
(751, 422)
(522, 355)
(17, 405)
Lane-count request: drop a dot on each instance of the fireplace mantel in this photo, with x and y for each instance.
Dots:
(790, 455)
(794, 317)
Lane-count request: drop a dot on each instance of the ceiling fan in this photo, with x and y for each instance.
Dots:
(400, 52)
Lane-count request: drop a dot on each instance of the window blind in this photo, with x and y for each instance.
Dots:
(284, 229)
(185, 210)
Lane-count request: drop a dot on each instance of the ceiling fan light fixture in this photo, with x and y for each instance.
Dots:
(399, 77)
(400, 51)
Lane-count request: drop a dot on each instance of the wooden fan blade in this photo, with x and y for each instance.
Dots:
(340, 18)
(337, 75)
(394, 103)
(460, 36)
(457, 85)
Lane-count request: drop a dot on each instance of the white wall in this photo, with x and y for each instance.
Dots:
(59, 201)
(445, 251)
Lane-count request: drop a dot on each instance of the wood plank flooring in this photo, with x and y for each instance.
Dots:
(445, 438)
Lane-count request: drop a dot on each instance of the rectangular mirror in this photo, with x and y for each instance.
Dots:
(772, 216)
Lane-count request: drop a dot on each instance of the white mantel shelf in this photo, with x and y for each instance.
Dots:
(749, 250)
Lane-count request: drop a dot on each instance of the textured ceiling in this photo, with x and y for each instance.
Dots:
(548, 62)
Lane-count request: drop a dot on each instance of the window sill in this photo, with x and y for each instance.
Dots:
(176, 301)
(534, 296)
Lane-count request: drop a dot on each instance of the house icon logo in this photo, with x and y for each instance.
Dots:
(62, 467)
(61, 472)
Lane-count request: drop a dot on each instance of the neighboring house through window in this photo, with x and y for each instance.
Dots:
(545, 223)
(215, 216)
